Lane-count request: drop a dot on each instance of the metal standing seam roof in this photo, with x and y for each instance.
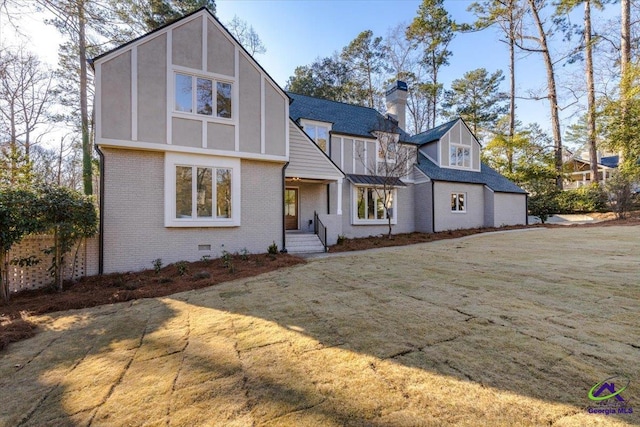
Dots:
(487, 176)
(345, 118)
(375, 180)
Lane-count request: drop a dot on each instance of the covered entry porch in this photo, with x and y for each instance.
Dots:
(306, 204)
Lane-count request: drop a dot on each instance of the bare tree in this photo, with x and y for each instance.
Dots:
(392, 162)
(246, 35)
(25, 99)
(539, 44)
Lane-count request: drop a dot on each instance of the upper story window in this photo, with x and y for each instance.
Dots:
(319, 133)
(459, 155)
(197, 95)
(387, 151)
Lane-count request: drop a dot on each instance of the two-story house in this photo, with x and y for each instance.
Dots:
(201, 150)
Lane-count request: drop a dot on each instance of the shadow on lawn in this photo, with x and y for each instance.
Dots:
(341, 353)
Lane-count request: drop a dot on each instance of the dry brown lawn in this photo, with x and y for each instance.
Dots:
(496, 329)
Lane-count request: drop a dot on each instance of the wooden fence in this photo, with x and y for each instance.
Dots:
(80, 262)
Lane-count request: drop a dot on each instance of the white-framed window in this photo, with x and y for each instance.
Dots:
(387, 150)
(372, 205)
(203, 95)
(458, 202)
(460, 156)
(201, 191)
(319, 132)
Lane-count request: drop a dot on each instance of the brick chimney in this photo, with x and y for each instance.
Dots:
(396, 98)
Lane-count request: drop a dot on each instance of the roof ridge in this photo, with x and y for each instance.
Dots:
(332, 100)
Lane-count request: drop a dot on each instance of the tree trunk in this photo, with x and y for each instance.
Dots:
(552, 93)
(84, 109)
(57, 271)
(625, 61)
(4, 276)
(591, 96)
(512, 86)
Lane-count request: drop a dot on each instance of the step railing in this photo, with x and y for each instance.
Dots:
(320, 230)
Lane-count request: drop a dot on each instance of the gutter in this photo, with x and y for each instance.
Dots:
(284, 226)
(101, 214)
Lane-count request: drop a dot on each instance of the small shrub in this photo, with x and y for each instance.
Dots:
(244, 254)
(157, 265)
(620, 194)
(227, 261)
(544, 204)
(590, 198)
(272, 249)
(182, 267)
(202, 275)
(341, 239)
(205, 258)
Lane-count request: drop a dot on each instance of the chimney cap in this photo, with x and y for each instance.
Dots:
(398, 85)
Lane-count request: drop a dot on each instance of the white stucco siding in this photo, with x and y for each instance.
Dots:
(445, 218)
(305, 158)
(220, 52)
(152, 90)
(134, 203)
(187, 44)
(136, 95)
(250, 107)
(115, 100)
(275, 121)
(509, 209)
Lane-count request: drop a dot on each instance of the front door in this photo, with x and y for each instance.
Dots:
(291, 208)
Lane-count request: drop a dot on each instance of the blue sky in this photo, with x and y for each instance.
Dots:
(296, 32)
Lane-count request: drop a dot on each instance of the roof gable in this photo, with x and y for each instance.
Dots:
(434, 134)
(345, 118)
(178, 22)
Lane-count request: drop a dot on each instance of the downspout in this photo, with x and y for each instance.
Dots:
(284, 225)
(328, 199)
(101, 214)
(526, 209)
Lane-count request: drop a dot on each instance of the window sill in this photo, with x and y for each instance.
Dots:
(373, 222)
(201, 224)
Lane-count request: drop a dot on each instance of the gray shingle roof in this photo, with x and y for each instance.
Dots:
(375, 180)
(347, 119)
(433, 134)
(486, 176)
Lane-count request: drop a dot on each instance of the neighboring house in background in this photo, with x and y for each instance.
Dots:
(202, 151)
(578, 170)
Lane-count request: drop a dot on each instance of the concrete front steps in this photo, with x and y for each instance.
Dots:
(303, 243)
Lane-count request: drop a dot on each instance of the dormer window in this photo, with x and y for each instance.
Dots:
(459, 156)
(319, 133)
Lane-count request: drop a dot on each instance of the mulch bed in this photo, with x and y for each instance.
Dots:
(120, 287)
